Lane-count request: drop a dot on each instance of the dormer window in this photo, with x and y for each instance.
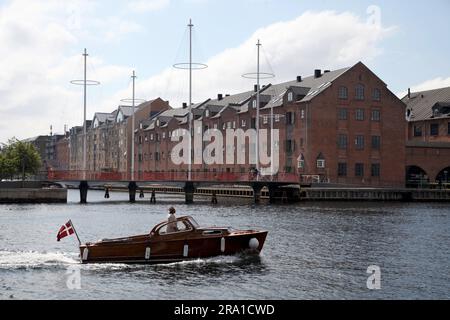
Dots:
(119, 118)
(320, 162)
(290, 96)
(301, 162)
(157, 123)
(95, 123)
(254, 104)
(207, 113)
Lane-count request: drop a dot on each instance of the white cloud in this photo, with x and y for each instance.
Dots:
(148, 5)
(431, 84)
(326, 40)
(37, 65)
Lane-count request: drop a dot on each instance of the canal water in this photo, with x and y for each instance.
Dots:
(313, 251)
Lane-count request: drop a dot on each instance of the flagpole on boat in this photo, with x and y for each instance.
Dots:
(74, 230)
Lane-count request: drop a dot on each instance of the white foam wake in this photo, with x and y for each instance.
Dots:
(34, 259)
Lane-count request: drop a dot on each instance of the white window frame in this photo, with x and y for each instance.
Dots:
(320, 163)
(290, 96)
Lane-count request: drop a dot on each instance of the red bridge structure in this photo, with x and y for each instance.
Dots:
(86, 179)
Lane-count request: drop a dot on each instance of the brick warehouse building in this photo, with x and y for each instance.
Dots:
(428, 145)
(341, 127)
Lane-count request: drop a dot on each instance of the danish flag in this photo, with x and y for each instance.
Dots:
(65, 230)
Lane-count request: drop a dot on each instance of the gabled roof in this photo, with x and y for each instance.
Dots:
(421, 103)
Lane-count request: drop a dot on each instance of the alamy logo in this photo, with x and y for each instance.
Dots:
(374, 280)
(73, 281)
(237, 147)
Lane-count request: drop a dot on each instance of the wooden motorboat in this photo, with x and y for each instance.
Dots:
(173, 242)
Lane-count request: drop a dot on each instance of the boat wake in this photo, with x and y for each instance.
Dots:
(10, 260)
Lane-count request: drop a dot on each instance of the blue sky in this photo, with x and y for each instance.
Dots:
(43, 40)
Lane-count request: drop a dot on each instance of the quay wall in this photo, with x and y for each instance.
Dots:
(31, 192)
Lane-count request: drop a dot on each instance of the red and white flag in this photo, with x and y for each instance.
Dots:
(65, 230)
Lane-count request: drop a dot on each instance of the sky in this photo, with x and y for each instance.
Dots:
(406, 43)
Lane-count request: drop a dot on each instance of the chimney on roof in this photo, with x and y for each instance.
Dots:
(409, 93)
(227, 95)
(255, 88)
(185, 105)
(299, 78)
(326, 71)
(219, 96)
(317, 73)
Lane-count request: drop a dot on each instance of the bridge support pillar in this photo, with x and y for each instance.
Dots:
(189, 190)
(84, 187)
(257, 187)
(273, 189)
(132, 187)
(153, 197)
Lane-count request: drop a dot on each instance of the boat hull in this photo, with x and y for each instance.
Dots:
(147, 250)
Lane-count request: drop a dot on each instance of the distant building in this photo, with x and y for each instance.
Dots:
(109, 138)
(428, 136)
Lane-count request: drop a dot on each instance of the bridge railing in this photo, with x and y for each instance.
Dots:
(170, 176)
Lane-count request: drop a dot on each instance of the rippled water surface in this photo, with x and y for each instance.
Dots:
(313, 251)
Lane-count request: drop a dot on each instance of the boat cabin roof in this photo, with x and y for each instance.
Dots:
(184, 223)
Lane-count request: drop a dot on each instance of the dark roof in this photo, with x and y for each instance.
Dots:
(421, 103)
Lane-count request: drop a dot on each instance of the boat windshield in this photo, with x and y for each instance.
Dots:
(193, 222)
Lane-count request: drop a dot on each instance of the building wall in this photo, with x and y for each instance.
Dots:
(443, 134)
(313, 131)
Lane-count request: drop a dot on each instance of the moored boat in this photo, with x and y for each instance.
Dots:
(168, 243)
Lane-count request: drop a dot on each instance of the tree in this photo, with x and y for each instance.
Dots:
(18, 157)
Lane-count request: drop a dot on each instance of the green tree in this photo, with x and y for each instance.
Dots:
(19, 158)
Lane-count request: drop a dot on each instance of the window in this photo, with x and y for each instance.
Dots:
(359, 142)
(302, 114)
(359, 169)
(290, 117)
(376, 142)
(301, 162)
(343, 93)
(243, 123)
(448, 128)
(417, 131)
(320, 163)
(434, 129)
(254, 104)
(359, 115)
(342, 169)
(376, 95)
(290, 96)
(277, 118)
(359, 92)
(253, 124)
(376, 115)
(375, 170)
(207, 113)
(342, 114)
(265, 119)
(342, 141)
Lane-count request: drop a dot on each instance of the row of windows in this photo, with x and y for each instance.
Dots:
(359, 93)
(359, 169)
(359, 114)
(359, 142)
(434, 130)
